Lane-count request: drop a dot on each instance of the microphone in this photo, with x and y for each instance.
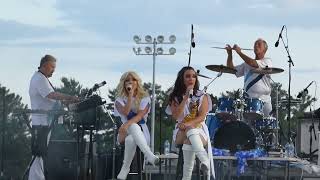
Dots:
(305, 90)
(280, 36)
(129, 87)
(97, 86)
(193, 44)
(190, 93)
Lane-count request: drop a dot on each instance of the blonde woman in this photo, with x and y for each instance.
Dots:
(132, 105)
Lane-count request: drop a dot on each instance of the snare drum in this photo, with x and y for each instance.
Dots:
(225, 109)
(267, 123)
(254, 109)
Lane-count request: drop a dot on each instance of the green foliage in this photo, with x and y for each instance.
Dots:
(14, 127)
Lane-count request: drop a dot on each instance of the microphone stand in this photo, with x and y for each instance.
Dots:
(290, 63)
(113, 145)
(311, 128)
(191, 44)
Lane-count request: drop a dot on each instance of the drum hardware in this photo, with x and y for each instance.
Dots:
(206, 87)
(198, 73)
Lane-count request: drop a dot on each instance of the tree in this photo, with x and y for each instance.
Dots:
(14, 126)
(164, 124)
(72, 87)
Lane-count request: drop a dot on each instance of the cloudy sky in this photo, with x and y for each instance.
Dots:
(92, 40)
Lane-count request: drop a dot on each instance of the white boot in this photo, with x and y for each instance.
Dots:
(188, 161)
(197, 146)
(138, 136)
(129, 151)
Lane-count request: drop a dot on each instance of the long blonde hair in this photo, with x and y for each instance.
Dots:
(121, 91)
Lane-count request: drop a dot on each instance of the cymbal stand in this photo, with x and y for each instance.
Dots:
(277, 143)
(239, 105)
(212, 79)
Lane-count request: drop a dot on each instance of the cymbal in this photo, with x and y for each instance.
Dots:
(267, 70)
(221, 68)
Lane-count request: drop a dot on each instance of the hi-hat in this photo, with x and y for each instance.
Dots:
(267, 70)
(221, 68)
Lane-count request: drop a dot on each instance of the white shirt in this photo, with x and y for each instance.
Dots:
(38, 91)
(262, 88)
(186, 109)
(123, 101)
(143, 104)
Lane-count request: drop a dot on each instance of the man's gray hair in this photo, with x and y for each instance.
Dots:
(46, 59)
(265, 42)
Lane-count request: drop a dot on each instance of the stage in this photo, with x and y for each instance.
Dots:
(226, 169)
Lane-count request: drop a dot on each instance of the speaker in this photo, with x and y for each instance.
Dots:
(62, 160)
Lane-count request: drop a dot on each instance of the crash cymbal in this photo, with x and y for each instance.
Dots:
(267, 70)
(221, 68)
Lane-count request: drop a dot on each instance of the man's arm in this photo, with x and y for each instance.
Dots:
(61, 96)
(251, 62)
(229, 58)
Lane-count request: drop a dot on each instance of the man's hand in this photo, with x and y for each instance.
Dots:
(237, 48)
(229, 49)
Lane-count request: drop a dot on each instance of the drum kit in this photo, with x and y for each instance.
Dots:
(239, 123)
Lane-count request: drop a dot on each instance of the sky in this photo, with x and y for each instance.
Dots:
(93, 40)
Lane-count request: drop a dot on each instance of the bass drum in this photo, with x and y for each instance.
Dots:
(234, 136)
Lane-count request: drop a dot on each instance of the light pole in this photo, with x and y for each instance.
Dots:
(154, 51)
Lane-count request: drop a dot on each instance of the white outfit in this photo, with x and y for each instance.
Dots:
(262, 88)
(135, 137)
(190, 151)
(38, 90)
(143, 104)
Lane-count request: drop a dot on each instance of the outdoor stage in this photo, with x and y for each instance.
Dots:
(226, 169)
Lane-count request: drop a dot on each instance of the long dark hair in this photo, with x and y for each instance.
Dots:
(179, 88)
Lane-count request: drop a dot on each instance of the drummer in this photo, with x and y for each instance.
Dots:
(255, 85)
